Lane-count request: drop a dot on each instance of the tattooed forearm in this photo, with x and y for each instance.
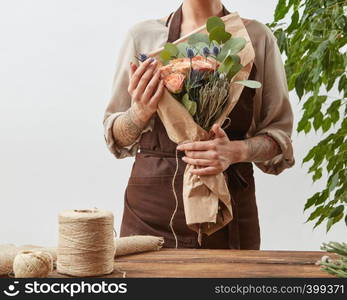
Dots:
(261, 148)
(127, 128)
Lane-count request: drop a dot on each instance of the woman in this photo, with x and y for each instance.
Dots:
(260, 130)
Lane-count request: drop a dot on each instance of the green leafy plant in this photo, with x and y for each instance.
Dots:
(336, 267)
(314, 43)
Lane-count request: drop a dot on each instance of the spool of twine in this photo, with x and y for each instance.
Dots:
(7, 255)
(86, 243)
(29, 264)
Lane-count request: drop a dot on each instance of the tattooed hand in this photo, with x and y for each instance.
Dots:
(215, 156)
(145, 88)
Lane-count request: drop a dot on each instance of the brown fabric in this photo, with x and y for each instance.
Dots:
(149, 201)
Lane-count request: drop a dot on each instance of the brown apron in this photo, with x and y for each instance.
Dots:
(149, 201)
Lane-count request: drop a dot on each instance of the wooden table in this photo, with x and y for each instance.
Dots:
(219, 264)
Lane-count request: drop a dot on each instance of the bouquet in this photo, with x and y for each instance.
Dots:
(198, 72)
(204, 73)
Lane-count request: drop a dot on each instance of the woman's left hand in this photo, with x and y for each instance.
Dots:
(214, 156)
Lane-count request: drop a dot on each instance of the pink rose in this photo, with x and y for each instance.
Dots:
(174, 82)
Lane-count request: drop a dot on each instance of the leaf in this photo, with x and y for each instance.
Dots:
(320, 50)
(294, 23)
(282, 41)
(281, 10)
(307, 127)
(317, 122)
(342, 83)
(198, 38)
(309, 156)
(326, 124)
(333, 221)
(182, 48)
(214, 22)
(199, 46)
(171, 48)
(334, 182)
(312, 200)
(189, 105)
(230, 66)
(302, 124)
(320, 220)
(336, 211)
(231, 47)
(226, 65)
(165, 56)
(317, 175)
(250, 83)
(300, 85)
(219, 35)
(317, 212)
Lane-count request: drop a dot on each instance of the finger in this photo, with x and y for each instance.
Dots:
(144, 80)
(196, 146)
(133, 68)
(210, 155)
(197, 162)
(157, 95)
(138, 74)
(206, 171)
(218, 131)
(151, 87)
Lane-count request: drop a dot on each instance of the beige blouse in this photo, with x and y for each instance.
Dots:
(272, 111)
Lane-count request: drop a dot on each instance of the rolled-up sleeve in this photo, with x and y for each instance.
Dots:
(274, 113)
(121, 100)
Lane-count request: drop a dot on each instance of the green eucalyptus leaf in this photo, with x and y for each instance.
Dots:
(172, 49)
(198, 38)
(230, 66)
(250, 83)
(182, 48)
(165, 56)
(219, 35)
(214, 22)
(226, 65)
(231, 47)
(199, 46)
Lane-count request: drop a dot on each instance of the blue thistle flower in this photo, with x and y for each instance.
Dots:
(190, 53)
(215, 50)
(142, 57)
(206, 51)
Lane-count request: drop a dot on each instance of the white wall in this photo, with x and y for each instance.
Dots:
(57, 62)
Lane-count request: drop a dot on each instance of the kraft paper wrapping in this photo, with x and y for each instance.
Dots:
(206, 199)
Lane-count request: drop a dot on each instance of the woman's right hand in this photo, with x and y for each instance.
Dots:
(145, 88)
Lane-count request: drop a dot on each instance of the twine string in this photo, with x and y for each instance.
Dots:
(176, 202)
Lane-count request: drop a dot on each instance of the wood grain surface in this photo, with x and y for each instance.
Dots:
(185, 263)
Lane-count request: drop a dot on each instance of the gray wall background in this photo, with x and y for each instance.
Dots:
(57, 61)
